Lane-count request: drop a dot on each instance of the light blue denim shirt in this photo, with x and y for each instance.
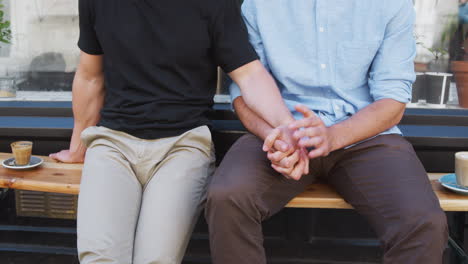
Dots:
(334, 56)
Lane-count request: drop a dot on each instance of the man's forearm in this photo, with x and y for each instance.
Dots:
(88, 98)
(368, 122)
(261, 94)
(254, 123)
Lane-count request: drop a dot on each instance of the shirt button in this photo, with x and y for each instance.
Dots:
(323, 66)
(321, 29)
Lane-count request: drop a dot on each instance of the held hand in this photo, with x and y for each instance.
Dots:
(314, 133)
(286, 158)
(283, 159)
(67, 157)
(300, 167)
(280, 139)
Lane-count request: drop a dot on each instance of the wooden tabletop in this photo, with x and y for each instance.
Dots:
(53, 176)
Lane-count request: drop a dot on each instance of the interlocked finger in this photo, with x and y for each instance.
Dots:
(270, 139)
(306, 160)
(308, 132)
(298, 170)
(311, 141)
(306, 122)
(290, 161)
(277, 156)
(318, 152)
(282, 146)
(283, 171)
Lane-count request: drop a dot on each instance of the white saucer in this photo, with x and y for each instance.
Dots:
(34, 162)
(449, 181)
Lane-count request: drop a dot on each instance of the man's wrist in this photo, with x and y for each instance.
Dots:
(77, 150)
(333, 138)
(265, 132)
(286, 121)
(77, 155)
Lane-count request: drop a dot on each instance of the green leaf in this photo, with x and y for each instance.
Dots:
(5, 31)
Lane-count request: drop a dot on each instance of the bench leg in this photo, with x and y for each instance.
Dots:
(461, 256)
(457, 238)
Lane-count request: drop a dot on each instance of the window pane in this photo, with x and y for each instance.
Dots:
(41, 60)
(43, 55)
(440, 32)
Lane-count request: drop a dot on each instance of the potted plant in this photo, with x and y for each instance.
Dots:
(419, 88)
(460, 70)
(7, 84)
(433, 86)
(419, 85)
(437, 78)
(439, 62)
(5, 31)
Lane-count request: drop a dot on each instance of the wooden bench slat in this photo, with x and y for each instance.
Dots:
(322, 196)
(58, 177)
(319, 195)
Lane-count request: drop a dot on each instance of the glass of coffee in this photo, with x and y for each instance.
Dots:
(461, 168)
(22, 151)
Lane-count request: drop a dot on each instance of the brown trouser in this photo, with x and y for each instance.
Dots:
(381, 178)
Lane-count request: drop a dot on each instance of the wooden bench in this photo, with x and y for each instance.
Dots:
(55, 177)
(64, 178)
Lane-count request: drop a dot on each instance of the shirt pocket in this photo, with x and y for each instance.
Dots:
(353, 63)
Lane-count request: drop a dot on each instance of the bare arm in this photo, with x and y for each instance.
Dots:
(255, 124)
(370, 121)
(261, 94)
(88, 99)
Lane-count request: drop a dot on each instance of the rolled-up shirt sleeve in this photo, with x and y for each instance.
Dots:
(392, 71)
(88, 41)
(249, 16)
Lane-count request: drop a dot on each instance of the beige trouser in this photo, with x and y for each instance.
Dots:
(140, 199)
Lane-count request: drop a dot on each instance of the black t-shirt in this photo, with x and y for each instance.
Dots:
(160, 59)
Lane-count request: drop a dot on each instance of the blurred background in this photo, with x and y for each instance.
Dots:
(41, 58)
